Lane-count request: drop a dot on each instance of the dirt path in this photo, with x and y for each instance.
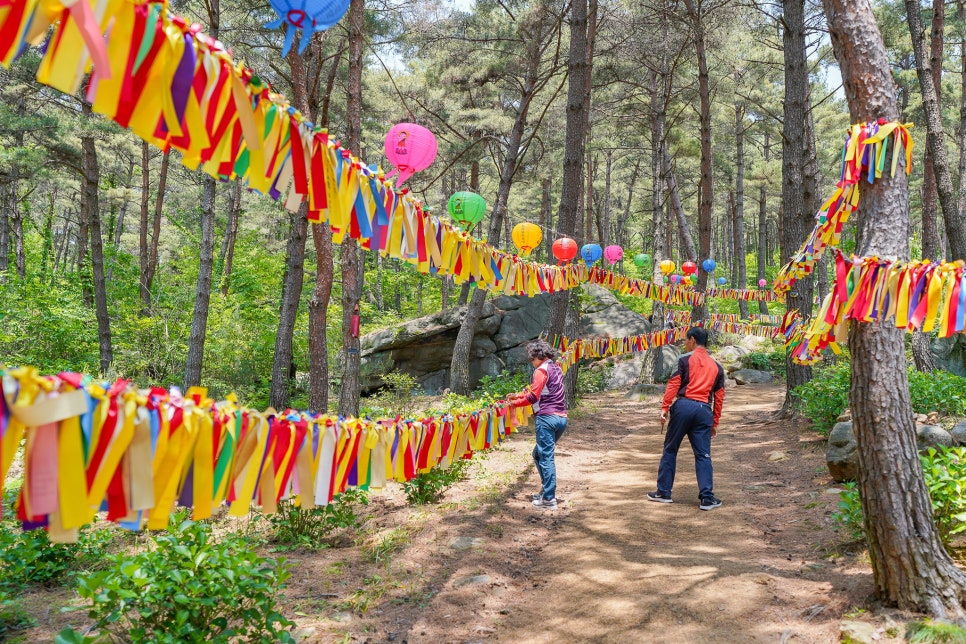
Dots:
(609, 566)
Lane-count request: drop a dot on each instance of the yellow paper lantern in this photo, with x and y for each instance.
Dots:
(667, 267)
(526, 237)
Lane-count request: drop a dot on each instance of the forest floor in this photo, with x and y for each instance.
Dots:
(484, 565)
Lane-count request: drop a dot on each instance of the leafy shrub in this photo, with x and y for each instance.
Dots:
(429, 487)
(937, 391)
(294, 527)
(13, 618)
(945, 475)
(825, 396)
(397, 398)
(30, 558)
(189, 588)
(493, 388)
(593, 378)
(773, 361)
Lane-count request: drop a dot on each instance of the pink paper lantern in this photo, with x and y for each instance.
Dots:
(613, 254)
(675, 279)
(411, 148)
(761, 283)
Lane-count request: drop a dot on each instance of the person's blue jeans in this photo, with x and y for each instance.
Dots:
(692, 419)
(549, 431)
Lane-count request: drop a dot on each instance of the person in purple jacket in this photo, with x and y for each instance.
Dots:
(546, 395)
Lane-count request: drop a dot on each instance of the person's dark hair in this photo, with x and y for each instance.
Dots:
(700, 335)
(540, 349)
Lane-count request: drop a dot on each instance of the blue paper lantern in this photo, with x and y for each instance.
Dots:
(722, 281)
(591, 253)
(708, 265)
(308, 15)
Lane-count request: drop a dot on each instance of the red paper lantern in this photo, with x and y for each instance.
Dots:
(564, 249)
(689, 268)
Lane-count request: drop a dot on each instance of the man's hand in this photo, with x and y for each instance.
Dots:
(714, 432)
(664, 417)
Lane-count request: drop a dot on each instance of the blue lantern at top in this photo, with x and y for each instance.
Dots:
(722, 281)
(308, 15)
(591, 253)
(708, 265)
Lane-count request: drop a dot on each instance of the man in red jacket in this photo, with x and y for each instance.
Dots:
(698, 387)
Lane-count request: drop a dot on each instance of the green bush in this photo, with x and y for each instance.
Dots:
(189, 588)
(945, 475)
(397, 398)
(825, 396)
(773, 361)
(294, 527)
(592, 380)
(13, 618)
(935, 632)
(937, 391)
(28, 558)
(494, 388)
(429, 487)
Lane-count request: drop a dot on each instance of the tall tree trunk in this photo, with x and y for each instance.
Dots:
(796, 221)
(962, 112)
(89, 202)
(739, 213)
(17, 215)
(935, 136)
(231, 234)
(475, 187)
(546, 247)
(47, 255)
(149, 250)
(911, 569)
(206, 266)
(460, 363)
(568, 216)
(930, 231)
(605, 224)
(763, 228)
(689, 251)
(696, 11)
(352, 261)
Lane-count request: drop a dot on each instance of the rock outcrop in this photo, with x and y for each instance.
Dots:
(424, 347)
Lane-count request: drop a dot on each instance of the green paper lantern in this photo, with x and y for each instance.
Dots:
(466, 208)
(642, 260)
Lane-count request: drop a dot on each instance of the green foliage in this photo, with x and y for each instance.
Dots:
(593, 378)
(13, 617)
(429, 487)
(494, 388)
(397, 398)
(935, 632)
(773, 361)
(29, 558)
(945, 475)
(849, 515)
(937, 391)
(825, 396)
(294, 527)
(190, 588)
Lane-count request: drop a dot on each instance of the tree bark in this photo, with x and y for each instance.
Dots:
(911, 568)
(930, 231)
(696, 11)
(149, 253)
(231, 234)
(687, 239)
(796, 220)
(47, 256)
(352, 261)
(763, 228)
(460, 363)
(935, 136)
(206, 266)
(89, 202)
(962, 111)
(567, 213)
(738, 223)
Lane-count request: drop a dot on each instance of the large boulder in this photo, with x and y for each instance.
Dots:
(603, 315)
(751, 377)
(668, 362)
(959, 433)
(841, 454)
(950, 353)
(523, 323)
(626, 372)
(932, 436)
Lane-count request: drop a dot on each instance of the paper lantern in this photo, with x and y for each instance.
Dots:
(466, 208)
(689, 268)
(708, 265)
(308, 15)
(411, 148)
(564, 249)
(722, 281)
(591, 253)
(686, 280)
(675, 279)
(667, 267)
(613, 254)
(762, 282)
(526, 237)
(642, 259)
